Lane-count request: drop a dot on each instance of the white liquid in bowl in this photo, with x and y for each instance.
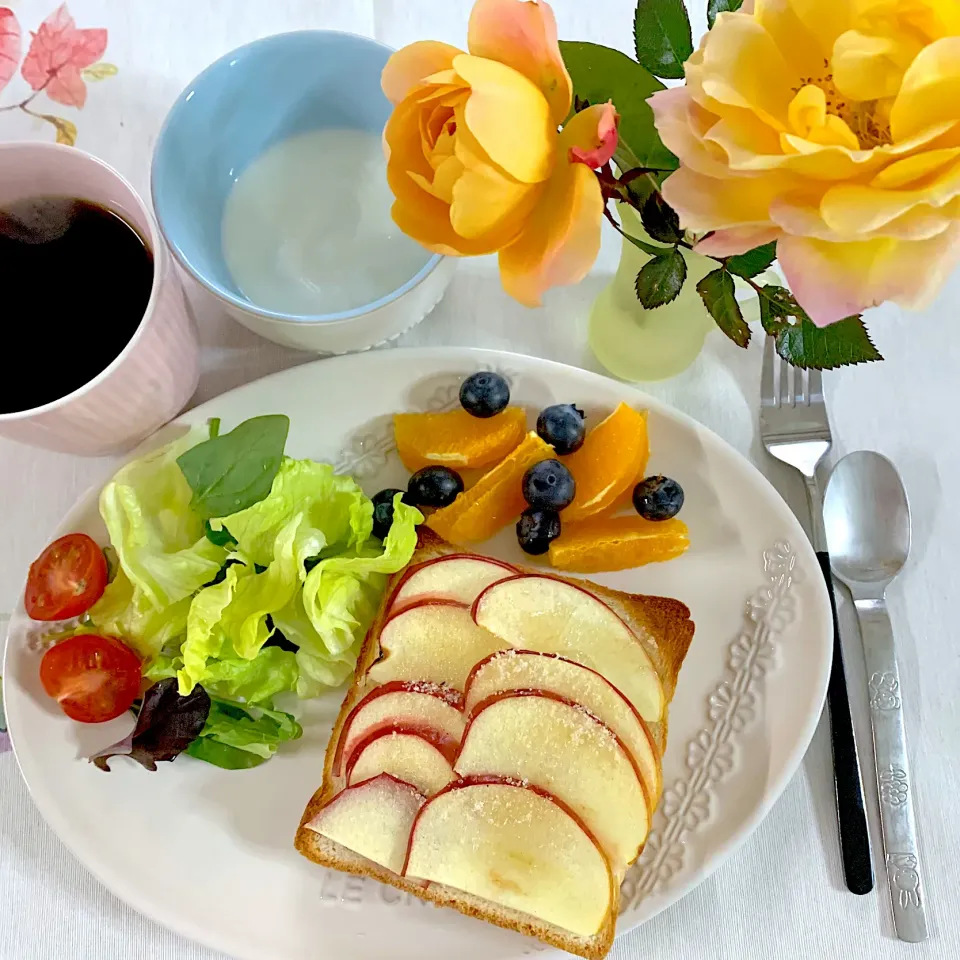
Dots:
(307, 227)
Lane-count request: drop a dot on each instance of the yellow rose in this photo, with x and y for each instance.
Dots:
(833, 127)
(474, 157)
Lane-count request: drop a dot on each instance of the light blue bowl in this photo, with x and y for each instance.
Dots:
(240, 106)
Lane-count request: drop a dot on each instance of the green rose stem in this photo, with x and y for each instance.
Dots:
(616, 188)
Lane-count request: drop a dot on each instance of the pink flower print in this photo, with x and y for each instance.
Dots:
(9, 45)
(57, 54)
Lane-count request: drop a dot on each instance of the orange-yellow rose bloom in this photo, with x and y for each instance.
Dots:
(833, 127)
(474, 157)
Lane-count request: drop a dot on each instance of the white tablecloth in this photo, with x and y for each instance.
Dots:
(782, 894)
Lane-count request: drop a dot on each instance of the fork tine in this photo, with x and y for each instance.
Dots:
(768, 392)
(816, 386)
(786, 385)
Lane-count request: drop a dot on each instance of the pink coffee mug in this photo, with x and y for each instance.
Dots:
(156, 373)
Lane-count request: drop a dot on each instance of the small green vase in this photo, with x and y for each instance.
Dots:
(634, 343)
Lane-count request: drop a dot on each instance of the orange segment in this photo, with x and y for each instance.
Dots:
(625, 500)
(457, 439)
(495, 500)
(617, 543)
(613, 455)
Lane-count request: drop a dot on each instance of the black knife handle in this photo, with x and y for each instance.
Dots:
(851, 816)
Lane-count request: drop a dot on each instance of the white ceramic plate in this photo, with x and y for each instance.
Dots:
(209, 852)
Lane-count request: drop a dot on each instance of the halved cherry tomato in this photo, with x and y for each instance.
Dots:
(67, 579)
(93, 678)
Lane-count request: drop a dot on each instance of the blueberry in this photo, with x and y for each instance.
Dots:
(383, 511)
(434, 487)
(484, 394)
(562, 426)
(549, 485)
(537, 529)
(658, 498)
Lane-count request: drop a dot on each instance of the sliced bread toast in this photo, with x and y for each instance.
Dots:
(663, 627)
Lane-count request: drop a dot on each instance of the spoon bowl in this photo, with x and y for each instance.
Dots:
(867, 520)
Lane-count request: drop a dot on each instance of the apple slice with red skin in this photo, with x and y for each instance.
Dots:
(550, 615)
(426, 709)
(409, 757)
(554, 743)
(511, 670)
(516, 845)
(460, 577)
(436, 641)
(373, 818)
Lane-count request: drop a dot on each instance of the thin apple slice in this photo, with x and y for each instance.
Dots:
(552, 743)
(407, 756)
(552, 616)
(373, 818)
(459, 577)
(426, 709)
(439, 642)
(517, 846)
(528, 670)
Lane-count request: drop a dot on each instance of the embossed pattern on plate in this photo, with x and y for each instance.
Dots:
(711, 753)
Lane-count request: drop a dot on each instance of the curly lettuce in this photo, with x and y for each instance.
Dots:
(272, 598)
(159, 539)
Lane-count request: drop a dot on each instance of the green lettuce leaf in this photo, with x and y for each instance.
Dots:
(318, 671)
(213, 661)
(254, 730)
(335, 514)
(258, 681)
(199, 599)
(257, 729)
(340, 597)
(311, 514)
(165, 664)
(228, 620)
(326, 669)
(227, 627)
(159, 540)
(244, 619)
(205, 638)
(125, 612)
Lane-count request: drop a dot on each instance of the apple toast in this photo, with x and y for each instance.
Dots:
(499, 750)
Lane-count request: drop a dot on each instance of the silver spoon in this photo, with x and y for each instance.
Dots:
(867, 521)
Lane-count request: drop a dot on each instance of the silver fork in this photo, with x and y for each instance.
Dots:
(795, 429)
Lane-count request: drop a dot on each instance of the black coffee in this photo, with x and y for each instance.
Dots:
(75, 280)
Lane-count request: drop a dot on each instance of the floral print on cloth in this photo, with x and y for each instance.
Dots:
(60, 60)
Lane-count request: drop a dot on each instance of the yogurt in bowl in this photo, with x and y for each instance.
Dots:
(269, 185)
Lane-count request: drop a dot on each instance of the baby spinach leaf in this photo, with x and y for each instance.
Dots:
(219, 538)
(223, 755)
(235, 470)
